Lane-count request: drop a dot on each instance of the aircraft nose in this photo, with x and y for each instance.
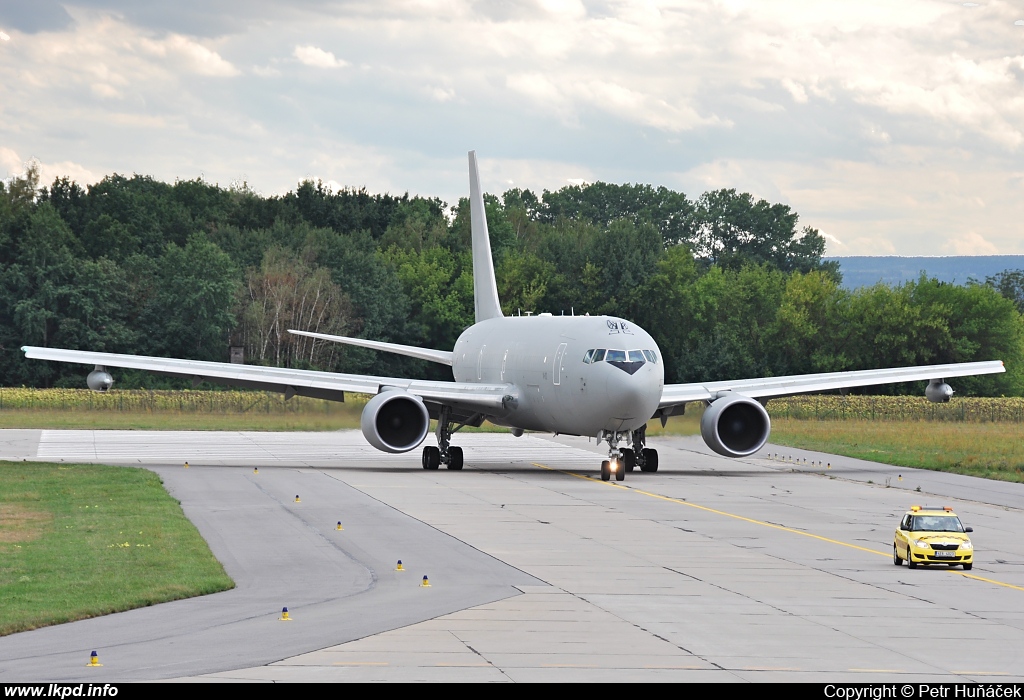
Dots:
(632, 395)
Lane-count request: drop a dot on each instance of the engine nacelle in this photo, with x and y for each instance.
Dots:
(99, 379)
(735, 426)
(938, 391)
(395, 421)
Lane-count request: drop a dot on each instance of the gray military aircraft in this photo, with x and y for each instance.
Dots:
(577, 375)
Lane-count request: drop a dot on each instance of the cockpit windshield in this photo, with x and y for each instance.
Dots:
(605, 355)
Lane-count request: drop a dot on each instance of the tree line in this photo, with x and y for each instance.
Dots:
(730, 286)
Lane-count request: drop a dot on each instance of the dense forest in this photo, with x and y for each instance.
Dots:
(729, 286)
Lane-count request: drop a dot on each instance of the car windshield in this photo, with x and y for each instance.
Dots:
(936, 523)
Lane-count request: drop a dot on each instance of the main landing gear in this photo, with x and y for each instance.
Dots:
(627, 459)
(445, 452)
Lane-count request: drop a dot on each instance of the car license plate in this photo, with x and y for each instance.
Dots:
(945, 555)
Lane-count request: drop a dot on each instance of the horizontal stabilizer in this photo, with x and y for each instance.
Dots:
(443, 357)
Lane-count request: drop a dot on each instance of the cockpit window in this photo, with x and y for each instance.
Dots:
(603, 355)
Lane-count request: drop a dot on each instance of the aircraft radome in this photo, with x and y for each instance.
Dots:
(578, 375)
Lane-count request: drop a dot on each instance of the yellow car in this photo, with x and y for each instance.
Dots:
(932, 536)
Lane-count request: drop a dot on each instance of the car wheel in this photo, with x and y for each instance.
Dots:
(911, 564)
(895, 556)
(968, 567)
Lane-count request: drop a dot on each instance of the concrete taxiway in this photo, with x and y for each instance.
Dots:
(712, 569)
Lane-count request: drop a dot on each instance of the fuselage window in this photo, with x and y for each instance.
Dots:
(588, 356)
(598, 356)
(615, 356)
(651, 357)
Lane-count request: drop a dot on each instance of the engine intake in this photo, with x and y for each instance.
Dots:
(395, 421)
(735, 426)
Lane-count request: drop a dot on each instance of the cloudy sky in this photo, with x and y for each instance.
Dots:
(895, 127)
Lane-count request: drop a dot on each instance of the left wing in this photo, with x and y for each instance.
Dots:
(462, 396)
(773, 387)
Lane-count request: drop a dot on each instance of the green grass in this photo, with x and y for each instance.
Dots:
(79, 541)
(989, 450)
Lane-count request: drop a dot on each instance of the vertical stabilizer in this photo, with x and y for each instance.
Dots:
(485, 288)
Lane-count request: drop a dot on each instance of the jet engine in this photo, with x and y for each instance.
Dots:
(395, 421)
(938, 391)
(99, 379)
(735, 426)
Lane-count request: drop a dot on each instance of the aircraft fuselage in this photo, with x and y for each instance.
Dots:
(559, 390)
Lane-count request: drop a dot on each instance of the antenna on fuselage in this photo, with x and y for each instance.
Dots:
(485, 287)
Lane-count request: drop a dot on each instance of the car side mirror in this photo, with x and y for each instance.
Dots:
(968, 529)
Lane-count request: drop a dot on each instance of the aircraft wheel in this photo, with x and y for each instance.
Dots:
(650, 460)
(620, 473)
(606, 471)
(431, 457)
(628, 460)
(455, 458)
(896, 557)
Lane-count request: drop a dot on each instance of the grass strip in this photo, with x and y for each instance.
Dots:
(80, 540)
(988, 450)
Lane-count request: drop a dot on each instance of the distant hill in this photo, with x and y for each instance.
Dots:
(865, 270)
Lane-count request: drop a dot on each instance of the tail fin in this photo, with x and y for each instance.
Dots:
(485, 288)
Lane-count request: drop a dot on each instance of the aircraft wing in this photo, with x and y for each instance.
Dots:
(469, 398)
(773, 387)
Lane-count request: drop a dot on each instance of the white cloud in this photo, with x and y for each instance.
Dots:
(48, 172)
(10, 162)
(4, 36)
(970, 243)
(190, 55)
(317, 58)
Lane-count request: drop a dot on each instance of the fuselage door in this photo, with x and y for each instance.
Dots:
(480, 363)
(556, 369)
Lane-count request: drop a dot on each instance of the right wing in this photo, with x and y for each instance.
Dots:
(464, 397)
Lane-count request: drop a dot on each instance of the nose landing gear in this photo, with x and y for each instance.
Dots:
(616, 462)
(626, 459)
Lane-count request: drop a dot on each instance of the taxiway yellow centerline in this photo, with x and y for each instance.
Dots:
(763, 523)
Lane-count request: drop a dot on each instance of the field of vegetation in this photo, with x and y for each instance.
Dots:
(80, 540)
(173, 410)
(974, 436)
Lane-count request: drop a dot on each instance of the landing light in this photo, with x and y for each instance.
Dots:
(614, 465)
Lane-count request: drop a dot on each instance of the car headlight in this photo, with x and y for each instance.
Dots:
(922, 544)
(966, 545)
